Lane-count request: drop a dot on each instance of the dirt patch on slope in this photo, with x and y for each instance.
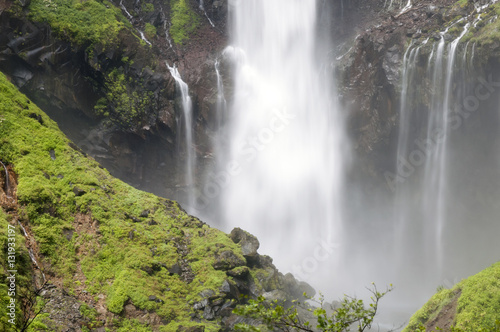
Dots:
(446, 316)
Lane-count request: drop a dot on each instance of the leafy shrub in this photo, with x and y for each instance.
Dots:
(274, 315)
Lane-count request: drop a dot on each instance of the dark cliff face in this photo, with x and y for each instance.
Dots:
(118, 100)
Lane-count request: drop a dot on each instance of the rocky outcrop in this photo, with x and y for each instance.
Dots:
(63, 310)
(249, 243)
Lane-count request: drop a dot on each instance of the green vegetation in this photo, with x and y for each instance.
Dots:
(422, 328)
(477, 302)
(275, 315)
(83, 23)
(22, 264)
(125, 240)
(184, 21)
(487, 31)
(150, 31)
(126, 102)
(148, 7)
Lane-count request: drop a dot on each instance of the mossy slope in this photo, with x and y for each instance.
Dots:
(81, 22)
(99, 235)
(477, 304)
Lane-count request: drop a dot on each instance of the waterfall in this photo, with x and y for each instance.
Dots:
(122, 6)
(221, 100)
(130, 18)
(202, 8)
(409, 74)
(143, 37)
(406, 8)
(281, 174)
(190, 156)
(166, 27)
(423, 179)
(30, 251)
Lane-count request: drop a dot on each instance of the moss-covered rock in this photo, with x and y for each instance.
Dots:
(82, 23)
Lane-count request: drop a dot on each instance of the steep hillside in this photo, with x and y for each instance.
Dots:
(114, 256)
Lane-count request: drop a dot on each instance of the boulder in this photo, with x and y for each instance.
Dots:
(239, 272)
(276, 294)
(230, 289)
(249, 243)
(78, 192)
(297, 288)
(227, 260)
(175, 269)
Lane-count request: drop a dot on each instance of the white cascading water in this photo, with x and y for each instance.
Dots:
(438, 146)
(435, 171)
(189, 154)
(202, 8)
(221, 99)
(166, 27)
(130, 18)
(283, 163)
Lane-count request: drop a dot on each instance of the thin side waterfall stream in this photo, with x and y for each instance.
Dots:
(189, 153)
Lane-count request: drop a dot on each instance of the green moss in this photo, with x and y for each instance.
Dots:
(83, 23)
(21, 264)
(455, 30)
(39, 323)
(184, 21)
(487, 31)
(132, 325)
(477, 307)
(148, 7)
(150, 31)
(126, 102)
(479, 304)
(123, 255)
